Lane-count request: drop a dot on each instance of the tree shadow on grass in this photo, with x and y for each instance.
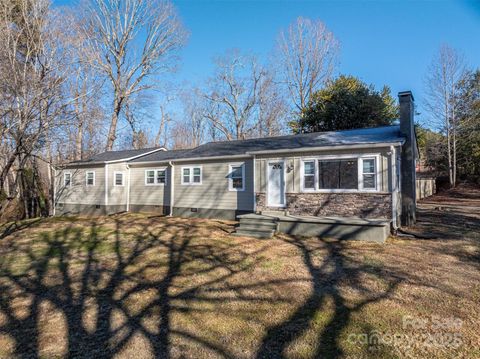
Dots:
(336, 271)
(112, 285)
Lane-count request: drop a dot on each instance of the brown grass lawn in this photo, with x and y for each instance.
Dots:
(137, 286)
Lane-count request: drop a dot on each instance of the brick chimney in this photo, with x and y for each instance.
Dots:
(408, 157)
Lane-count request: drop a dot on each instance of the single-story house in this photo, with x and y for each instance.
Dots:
(343, 184)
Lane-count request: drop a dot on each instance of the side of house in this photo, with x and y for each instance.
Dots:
(80, 189)
(214, 188)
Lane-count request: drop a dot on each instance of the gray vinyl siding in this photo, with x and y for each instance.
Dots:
(117, 195)
(214, 192)
(142, 194)
(293, 167)
(79, 192)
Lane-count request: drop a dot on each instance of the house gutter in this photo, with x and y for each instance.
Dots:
(128, 189)
(254, 184)
(54, 189)
(192, 159)
(172, 188)
(326, 148)
(106, 187)
(393, 161)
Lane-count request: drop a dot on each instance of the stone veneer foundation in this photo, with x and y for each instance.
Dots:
(362, 205)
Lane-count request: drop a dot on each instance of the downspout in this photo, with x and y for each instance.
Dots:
(254, 184)
(128, 189)
(393, 159)
(106, 187)
(54, 189)
(172, 188)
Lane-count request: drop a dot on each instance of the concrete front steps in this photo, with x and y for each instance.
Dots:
(256, 225)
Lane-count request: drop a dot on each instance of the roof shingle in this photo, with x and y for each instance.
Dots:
(386, 134)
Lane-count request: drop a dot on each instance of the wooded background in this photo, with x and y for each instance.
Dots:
(79, 80)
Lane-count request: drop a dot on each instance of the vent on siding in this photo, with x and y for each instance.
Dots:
(193, 209)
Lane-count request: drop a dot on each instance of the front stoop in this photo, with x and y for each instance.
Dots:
(258, 226)
(266, 225)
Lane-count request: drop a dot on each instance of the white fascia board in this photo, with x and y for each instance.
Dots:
(326, 148)
(191, 159)
(137, 156)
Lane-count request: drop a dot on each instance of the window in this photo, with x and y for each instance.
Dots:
(369, 173)
(236, 177)
(155, 177)
(67, 179)
(340, 174)
(309, 175)
(90, 178)
(118, 178)
(197, 175)
(161, 176)
(192, 175)
(186, 175)
(150, 177)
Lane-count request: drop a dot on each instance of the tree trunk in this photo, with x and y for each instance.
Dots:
(6, 170)
(454, 149)
(449, 150)
(113, 124)
(79, 136)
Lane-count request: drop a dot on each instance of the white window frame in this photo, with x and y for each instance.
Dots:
(86, 179)
(115, 178)
(191, 183)
(358, 157)
(376, 173)
(64, 177)
(315, 174)
(230, 178)
(155, 174)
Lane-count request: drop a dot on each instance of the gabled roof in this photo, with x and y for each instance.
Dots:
(367, 136)
(116, 156)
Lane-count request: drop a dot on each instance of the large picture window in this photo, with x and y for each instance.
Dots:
(340, 174)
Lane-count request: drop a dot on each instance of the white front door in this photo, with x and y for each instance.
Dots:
(275, 184)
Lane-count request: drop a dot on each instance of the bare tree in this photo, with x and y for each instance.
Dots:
(84, 87)
(134, 40)
(32, 76)
(272, 108)
(308, 54)
(180, 136)
(231, 101)
(445, 72)
(161, 137)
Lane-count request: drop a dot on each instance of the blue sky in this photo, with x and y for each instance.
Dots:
(382, 42)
